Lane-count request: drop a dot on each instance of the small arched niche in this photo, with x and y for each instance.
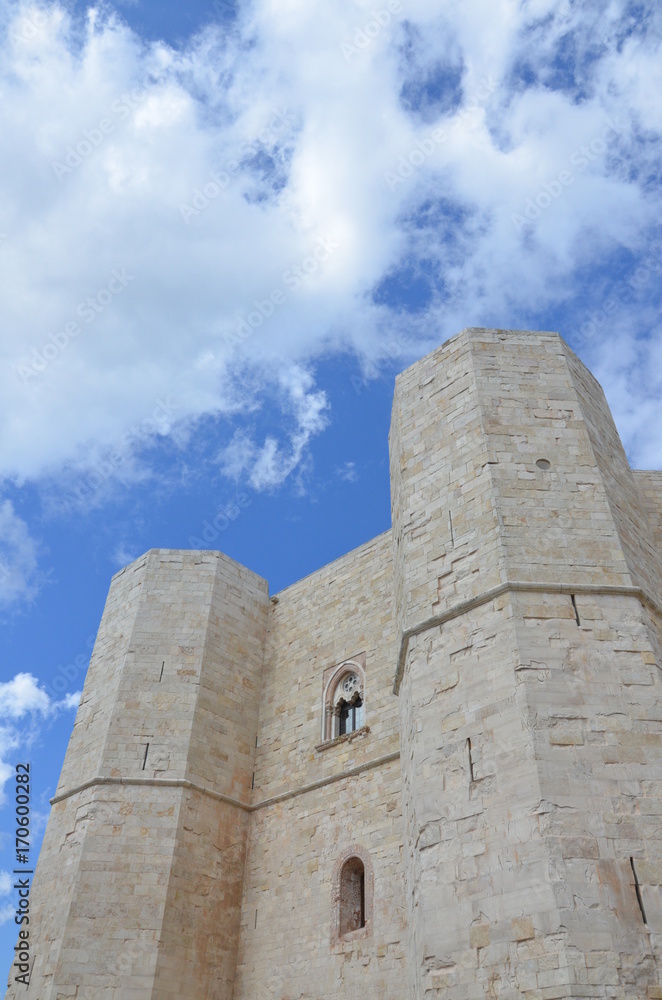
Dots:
(353, 893)
(351, 915)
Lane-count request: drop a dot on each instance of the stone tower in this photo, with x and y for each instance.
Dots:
(502, 797)
(527, 582)
(122, 904)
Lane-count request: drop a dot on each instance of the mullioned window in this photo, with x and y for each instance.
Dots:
(344, 699)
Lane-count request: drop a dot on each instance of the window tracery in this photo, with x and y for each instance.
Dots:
(344, 701)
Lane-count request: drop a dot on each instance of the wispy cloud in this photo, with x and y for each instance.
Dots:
(348, 472)
(267, 465)
(18, 558)
(7, 909)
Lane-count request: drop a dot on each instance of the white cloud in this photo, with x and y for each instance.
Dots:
(23, 700)
(112, 298)
(69, 701)
(18, 557)
(122, 555)
(630, 371)
(348, 472)
(7, 910)
(268, 465)
(22, 695)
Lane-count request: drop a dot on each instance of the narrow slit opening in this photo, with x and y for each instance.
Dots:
(161, 674)
(450, 525)
(255, 924)
(471, 763)
(574, 608)
(145, 757)
(637, 889)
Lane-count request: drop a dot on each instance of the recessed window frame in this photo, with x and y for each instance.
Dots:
(354, 853)
(337, 700)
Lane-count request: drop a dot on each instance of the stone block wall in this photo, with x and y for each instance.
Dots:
(138, 887)
(649, 488)
(529, 683)
(312, 802)
(594, 694)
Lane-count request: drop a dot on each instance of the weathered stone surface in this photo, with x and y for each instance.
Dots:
(506, 805)
(548, 583)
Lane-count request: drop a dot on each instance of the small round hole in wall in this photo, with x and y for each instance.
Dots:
(543, 464)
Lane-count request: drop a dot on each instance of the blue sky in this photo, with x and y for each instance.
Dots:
(224, 228)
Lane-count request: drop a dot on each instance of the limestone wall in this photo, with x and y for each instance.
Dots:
(594, 695)
(222, 737)
(649, 486)
(199, 935)
(138, 886)
(477, 867)
(540, 405)
(343, 610)
(289, 910)
(89, 736)
(289, 945)
(627, 505)
(529, 693)
(442, 506)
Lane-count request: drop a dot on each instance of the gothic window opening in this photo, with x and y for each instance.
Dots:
(344, 699)
(352, 896)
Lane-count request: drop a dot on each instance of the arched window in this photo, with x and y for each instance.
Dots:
(344, 708)
(352, 896)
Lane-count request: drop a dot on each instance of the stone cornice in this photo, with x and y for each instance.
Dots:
(514, 586)
(220, 796)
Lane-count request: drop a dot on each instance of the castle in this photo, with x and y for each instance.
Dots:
(429, 770)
